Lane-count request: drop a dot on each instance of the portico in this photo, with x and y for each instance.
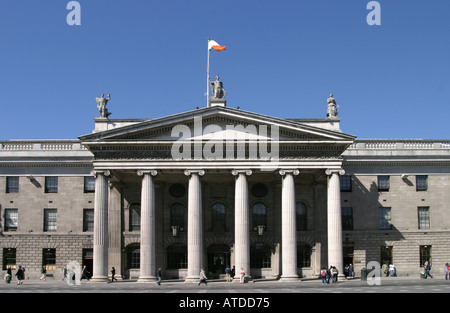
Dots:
(303, 166)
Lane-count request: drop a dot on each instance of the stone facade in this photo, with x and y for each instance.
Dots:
(285, 219)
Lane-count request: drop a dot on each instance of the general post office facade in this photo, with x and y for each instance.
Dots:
(217, 187)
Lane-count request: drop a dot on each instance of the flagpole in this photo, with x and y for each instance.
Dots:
(207, 77)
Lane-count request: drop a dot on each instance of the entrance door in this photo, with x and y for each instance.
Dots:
(88, 260)
(218, 259)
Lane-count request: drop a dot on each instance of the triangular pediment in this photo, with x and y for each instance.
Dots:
(216, 123)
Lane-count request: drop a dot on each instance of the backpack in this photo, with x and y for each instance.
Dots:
(323, 273)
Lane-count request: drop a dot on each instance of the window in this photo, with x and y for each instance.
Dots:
(347, 218)
(259, 190)
(177, 190)
(425, 255)
(304, 252)
(176, 257)
(135, 217)
(49, 259)
(50, 219)
(384, 218)
(88, 220)
(300, 210)
(346, 183)
(89, 184)
(51, 184)
(12, 184)
(177, 216)
(424, 217)
(11, 219)
(421, 183)
(259, 215)
(383, 183)
(9, 258)
(260, 256)
(135, 258)
(218, 216)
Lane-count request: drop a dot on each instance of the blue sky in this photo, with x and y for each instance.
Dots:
(283, 58)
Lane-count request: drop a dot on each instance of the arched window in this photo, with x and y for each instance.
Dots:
(218, 216)
(300, 212)
(259, 215)
(177, 213)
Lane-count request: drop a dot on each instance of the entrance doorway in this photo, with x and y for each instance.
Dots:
(218, 259)
(88, 261)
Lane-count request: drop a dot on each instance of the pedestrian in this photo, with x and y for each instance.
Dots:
(446, 270)
(392, 270)
(44, 273)
(202, 277)
(8, 275)
(113, 274)
(158, 276)
(334, 273)
(242, 276)
(84, 273)
(228, 273)
(64, 272)
(233, 272)
(350, 271)
(427, 269)
(20, 274)
(323, 275)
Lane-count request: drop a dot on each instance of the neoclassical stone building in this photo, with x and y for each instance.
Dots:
(220, 186)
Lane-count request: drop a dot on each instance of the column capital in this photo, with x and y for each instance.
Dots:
(331, 171)
(237, 172)
(284, 171)
(150, 172)
(189, 172)
(95, 172)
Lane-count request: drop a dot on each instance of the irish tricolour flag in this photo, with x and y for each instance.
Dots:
(214, 45)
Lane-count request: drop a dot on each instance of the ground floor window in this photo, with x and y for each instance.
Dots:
(176, 257)
(304, 252)
(425, 255)
(260, 256)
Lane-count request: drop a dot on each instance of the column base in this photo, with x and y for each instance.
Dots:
(147, 279)
(192, 280)
(289, 278)
(237, 280)
(100, 279)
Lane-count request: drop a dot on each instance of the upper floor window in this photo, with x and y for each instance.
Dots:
(135, 217)
(12, 184)
(347, 218)
(384, 218)
(11, 219)
(259, 215)
(177, 216)
(218, 216)
(50, 219)
(88, 220)
(421, 183)
(89, 184)
(346, 183)
(51, 184)
(383, 183)
(301, 221)
(424, 217)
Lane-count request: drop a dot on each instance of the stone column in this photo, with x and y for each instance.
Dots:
(115, 228)
(100, 247)
(194, 228)
(241, 223)
(148, 265)
(288, 227)
(334, 220)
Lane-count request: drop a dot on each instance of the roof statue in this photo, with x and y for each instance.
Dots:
(217, 89)
(332, 110)
(101, 105)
